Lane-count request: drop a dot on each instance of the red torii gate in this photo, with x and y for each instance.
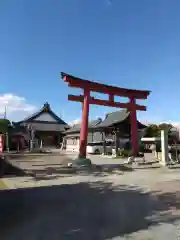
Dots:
(86, 99)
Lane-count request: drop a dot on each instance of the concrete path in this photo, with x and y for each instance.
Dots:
(142, 204)
(138, 205)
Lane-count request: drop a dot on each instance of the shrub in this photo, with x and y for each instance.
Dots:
(127, 146)
(158, 147)
(141, 148)
(128, 153)
(125, 152)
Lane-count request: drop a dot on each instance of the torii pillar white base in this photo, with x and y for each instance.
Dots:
(164, 148)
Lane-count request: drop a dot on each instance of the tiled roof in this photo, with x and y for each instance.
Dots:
(110, 120)
(36, 126)
(54, 127)
(77, 127)
(114, 118)
(45, 108)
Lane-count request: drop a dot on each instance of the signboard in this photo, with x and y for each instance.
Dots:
(1, 143)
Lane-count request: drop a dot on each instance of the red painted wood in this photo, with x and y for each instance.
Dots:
(102, 88)
(106, 103)
(84, 125)
(134, 127)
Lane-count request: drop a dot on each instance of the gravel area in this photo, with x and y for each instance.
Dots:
(142, 204)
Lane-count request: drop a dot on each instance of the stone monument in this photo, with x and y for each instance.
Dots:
(164, 147)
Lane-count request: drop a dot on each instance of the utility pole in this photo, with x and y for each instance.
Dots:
(6, 134)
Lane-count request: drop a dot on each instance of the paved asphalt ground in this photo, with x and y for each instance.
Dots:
(142, 204)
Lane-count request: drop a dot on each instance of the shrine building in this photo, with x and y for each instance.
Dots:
(116, 125)
(46, 126)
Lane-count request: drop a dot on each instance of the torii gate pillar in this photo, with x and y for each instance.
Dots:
(134, 127)
(84, 125)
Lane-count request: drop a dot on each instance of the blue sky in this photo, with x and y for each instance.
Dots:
(128, 43)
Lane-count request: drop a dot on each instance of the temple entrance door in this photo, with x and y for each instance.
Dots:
(48, 141)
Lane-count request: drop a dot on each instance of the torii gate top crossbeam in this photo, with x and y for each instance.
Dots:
(102, 88)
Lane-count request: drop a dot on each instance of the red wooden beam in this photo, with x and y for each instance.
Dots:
(102, 88)
(105, 102)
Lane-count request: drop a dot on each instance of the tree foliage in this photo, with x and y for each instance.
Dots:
(154, 130)
(165, 126)
(4, 125)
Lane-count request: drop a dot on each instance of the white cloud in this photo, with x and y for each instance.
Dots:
(14, 104)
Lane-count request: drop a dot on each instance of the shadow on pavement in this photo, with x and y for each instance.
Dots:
(82, 211)
(146, 167)
(95, 170)
(173, 167)
(8, 169)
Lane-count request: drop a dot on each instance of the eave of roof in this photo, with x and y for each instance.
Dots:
(111, 120)
(76, 127)
(45, 108)
(48, 127)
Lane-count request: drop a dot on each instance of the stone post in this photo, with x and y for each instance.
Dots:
(164, 147)
(41, 143)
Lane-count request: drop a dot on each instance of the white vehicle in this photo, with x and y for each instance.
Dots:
(98, 147)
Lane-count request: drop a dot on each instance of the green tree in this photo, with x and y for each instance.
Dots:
(152, 131)
(4, 125)
(165, 126)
